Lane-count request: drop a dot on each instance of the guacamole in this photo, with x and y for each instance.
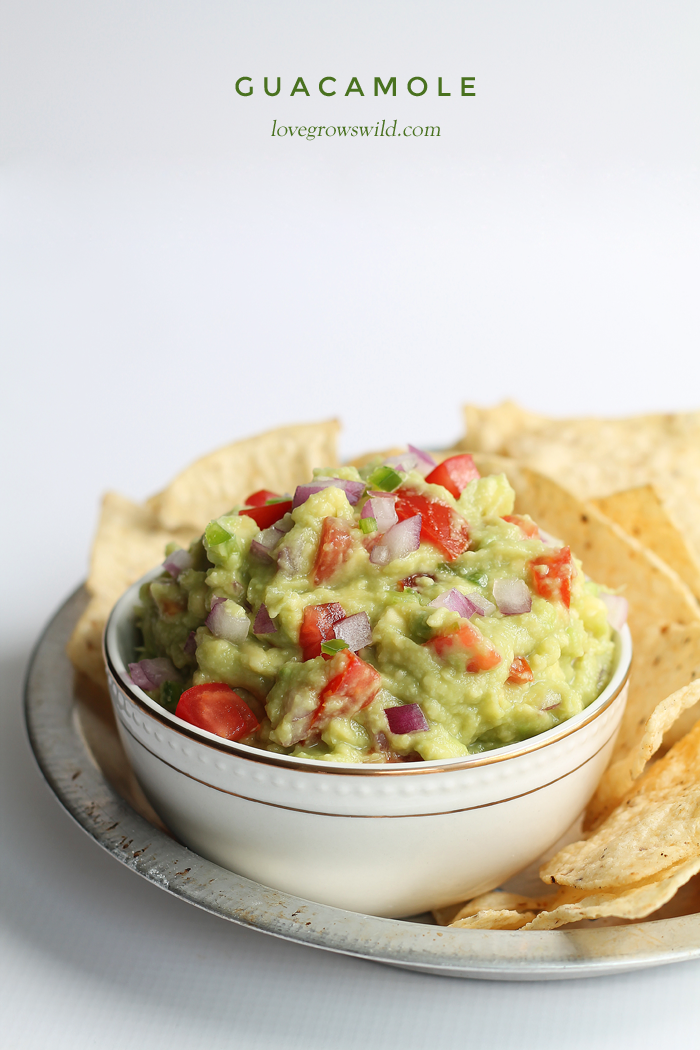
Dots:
(401, 612)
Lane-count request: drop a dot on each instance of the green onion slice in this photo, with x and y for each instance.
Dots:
(384, 478)
(333, 646)
(215, 534)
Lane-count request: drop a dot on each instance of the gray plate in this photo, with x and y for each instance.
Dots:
(74, 738)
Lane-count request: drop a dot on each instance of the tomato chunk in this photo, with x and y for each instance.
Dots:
(317, 627)
(260, 498)
(520, 671)
(334, 547)
(552, 574)
(268, 514)
(467, 639)
(454, 474)
(353, 687)
(218, 709)
(412, 581)
(524, 524)
(441, 525)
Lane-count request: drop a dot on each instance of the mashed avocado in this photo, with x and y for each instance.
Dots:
(387, 589)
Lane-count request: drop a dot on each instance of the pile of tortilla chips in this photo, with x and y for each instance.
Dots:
(625, 494)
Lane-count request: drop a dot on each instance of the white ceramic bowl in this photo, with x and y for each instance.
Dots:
(383, 839)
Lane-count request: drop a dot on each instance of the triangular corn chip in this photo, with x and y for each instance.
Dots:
(278, 460)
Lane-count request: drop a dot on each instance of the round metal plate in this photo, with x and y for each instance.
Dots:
(72, 733)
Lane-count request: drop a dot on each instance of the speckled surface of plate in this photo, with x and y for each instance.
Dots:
(74, 739)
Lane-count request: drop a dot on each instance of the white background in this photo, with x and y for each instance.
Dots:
(174, 278)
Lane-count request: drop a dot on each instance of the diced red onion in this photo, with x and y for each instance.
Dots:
(426, 463)
(190, 646)
(382, 510)
(512, 596)
(139, 677)
(380, 741)
(413, 459)
(457, 602)
(482, 605)
(356, 630)
(405, 462)
(263, 624)
(265, 542)
(285, 524)
(379, 555)
(177, 562)
(408, 718)
(150, 674)
(270, 537)
(290, 558)
(352, 489)
(551, 701)
(547, 539)
(261, 552)
(237, 588)
(401, 539)
(618, 608)
(223, 622)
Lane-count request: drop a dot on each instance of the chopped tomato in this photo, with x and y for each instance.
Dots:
(519, 671)
(216, 708)
(524, 524)
(467, 639)
(260, 498)
(412, 581)
(334, 547)
(268, 514)
(317, 627)
(552, 574)
(353, 687)
(454, 474)
(441, 525)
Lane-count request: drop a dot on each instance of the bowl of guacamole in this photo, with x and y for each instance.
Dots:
(385, 691)
(397, 613)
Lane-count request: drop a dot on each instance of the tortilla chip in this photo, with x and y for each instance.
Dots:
(641, 513)
(628, 902)
(278, 460)
(626, 769)
(609, 555)
(636, 861)
(129, 542)
(496, 902)
(664, 656)
(495, 920)
(492, 429)
(84, 647)
(656, 826)
(597, 457)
